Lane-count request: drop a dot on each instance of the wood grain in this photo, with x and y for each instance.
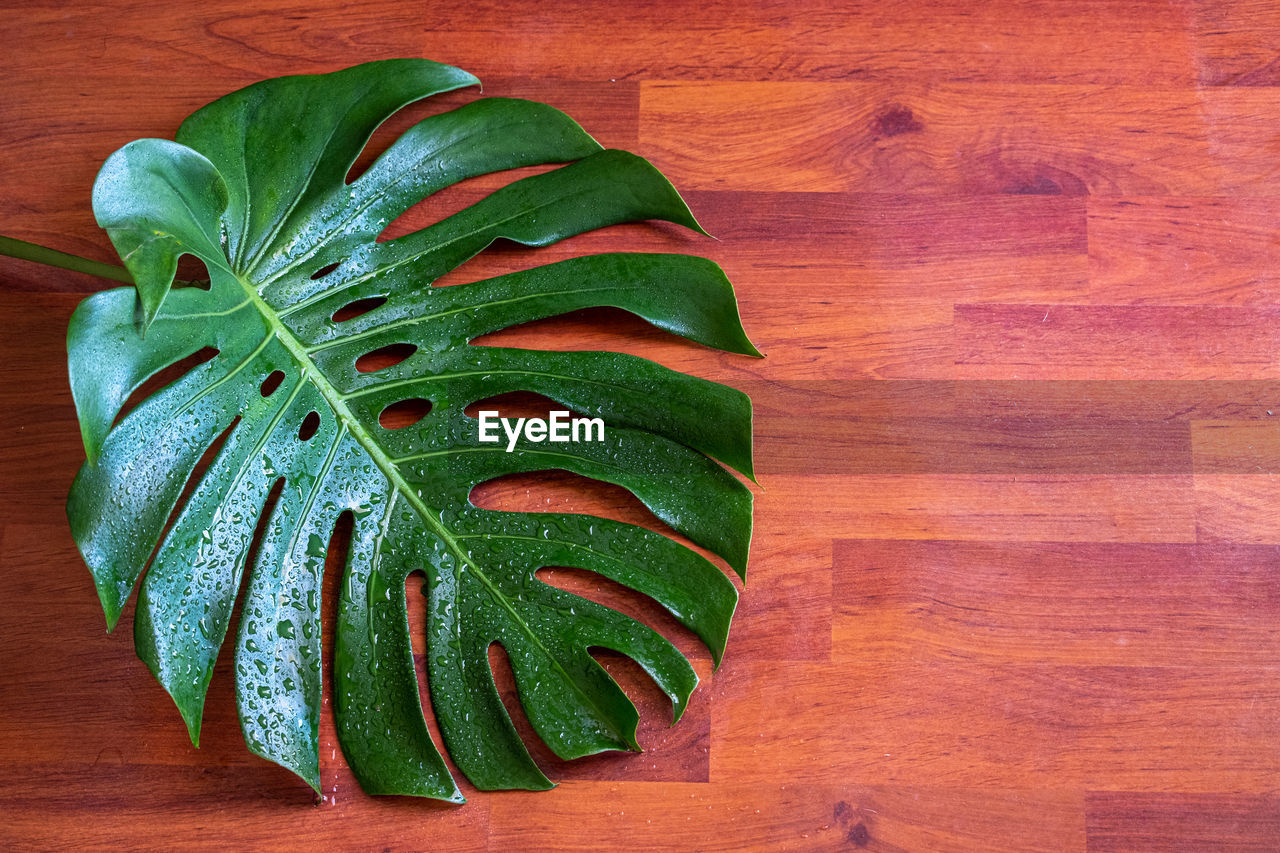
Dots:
(1014, 579)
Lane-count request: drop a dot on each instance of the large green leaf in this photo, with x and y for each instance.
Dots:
(255, 186)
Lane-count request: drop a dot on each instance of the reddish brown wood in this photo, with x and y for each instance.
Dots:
(1122, 821)
(1014, 579)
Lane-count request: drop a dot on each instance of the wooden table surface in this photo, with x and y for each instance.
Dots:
(1016, 574)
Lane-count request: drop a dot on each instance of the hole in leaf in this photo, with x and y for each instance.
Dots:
(562, 491)
(310, 424)
(271, 383)
(384, 357)
(504, 678)
(671, 753)
(605, 328)
(400, 121)
(220, 702)
(188, 489)
(165, 377)
(456, 197)
(405, 413)
(504, 256)
(192, 270)
(334, 564)
(325, 270)
(260, 530)
(516, 404)
(625, 600)
(415, 594)
(352, 310)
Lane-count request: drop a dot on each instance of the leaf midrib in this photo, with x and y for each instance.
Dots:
(337, 402)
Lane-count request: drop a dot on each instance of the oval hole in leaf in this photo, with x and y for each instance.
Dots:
(193, 272)
(352, 310)
(271, 383)
(384, 357)
(325, 270)
(310, 424)
(405, 413)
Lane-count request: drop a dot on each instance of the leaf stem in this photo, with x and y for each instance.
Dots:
(23, 250)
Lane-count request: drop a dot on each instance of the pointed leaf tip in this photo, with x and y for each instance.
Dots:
(193, 724)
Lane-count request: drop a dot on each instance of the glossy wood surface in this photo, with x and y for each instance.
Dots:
(1016, 574)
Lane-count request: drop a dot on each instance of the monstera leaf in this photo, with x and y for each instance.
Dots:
(256, 187)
